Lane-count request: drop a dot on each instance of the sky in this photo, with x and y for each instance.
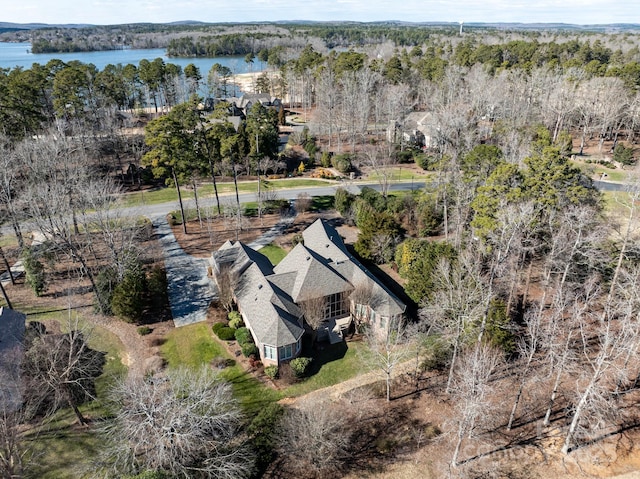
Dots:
(109, 12)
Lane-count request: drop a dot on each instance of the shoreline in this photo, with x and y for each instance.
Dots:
(246, 81)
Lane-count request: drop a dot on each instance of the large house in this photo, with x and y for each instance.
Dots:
(273, 300)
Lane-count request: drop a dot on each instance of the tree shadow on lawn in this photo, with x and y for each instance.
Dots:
(322, 354)
(253, 395)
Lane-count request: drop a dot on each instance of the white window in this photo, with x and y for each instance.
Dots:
(269, 352)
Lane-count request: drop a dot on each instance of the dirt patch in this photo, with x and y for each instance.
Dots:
(201, 241)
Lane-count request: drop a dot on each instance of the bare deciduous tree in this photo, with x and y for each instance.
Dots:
(186, 424)
(59, 370)
(459, 304)
(471, 391)
(388, 346)
(382, 163)
(226, 280)
(303, 203)
(13, 447)
(314, 311)
(528, 348)
(315, 435)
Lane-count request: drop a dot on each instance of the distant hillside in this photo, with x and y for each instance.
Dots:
(8, 26)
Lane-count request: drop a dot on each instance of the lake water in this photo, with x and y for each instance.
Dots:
(17, 54)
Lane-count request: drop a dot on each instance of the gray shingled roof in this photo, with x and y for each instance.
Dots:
(323, 239)
(273, 318)
(240, 256)
(314, 276)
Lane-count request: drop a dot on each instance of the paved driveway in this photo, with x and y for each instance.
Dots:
(190, 290)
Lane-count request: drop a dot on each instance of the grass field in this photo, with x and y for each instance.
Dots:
(332, 365)
(167, 194)
(194, 345)
(398, 174)
(274, 253)
(8, 241)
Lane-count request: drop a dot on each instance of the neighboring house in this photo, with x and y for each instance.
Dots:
(12, 327)
(244, 103)
(417, 129)
(273, 300)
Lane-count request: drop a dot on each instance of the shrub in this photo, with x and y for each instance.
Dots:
(310, 147)
(226, 333)
(127, 301)
(425, 162)
(254, 363)
(299, 366)
(405, 156)
(249, 349)
(623, 155)
(325, 159)
(297, 238)
(243, 336)
(217, 327)
(235, 320)
(342, 163)
(343, 200)
(157, 286)
(144, 330)
(498, 328)
(263, 431)
(271, 371)
(106, 282)
(437, 356)
(34, 271)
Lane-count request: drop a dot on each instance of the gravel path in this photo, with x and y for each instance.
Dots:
(135, 348)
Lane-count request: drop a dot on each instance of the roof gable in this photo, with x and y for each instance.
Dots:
(314, 276)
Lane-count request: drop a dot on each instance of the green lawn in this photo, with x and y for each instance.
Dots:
(191, 346)
(274, 253)
(595, 170)
(617, 203)
(167, 194)
(100, 339)
(333, 365)
(322, 203)
(398, 173)
(8, 240)
(194, 345)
